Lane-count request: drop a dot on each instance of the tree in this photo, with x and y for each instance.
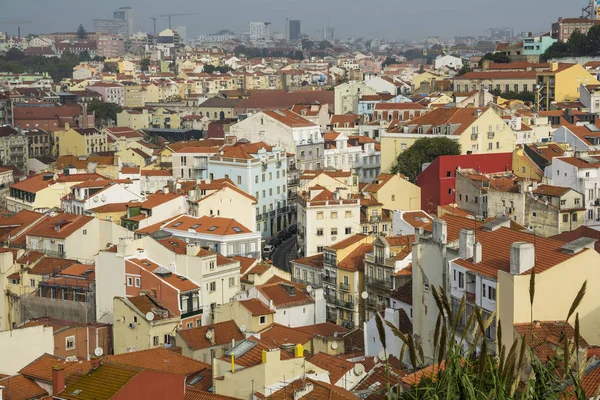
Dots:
(557, 50)
(413, 54)
(14, 54)
(325, 44)
(145, 64)
(110, 67)
(499, 58)
(425, 150)
(463, 70)
(388, 61)
(84, 56)
(523, 96)
(578, 44)
(307, 44)
(81, 32)
(104, 112)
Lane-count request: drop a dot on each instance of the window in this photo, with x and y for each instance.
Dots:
(490, 146)
(334, 215)
(565, 217)
(384, 227)
(319, 249)
(577, 202)
(129, 281)
(333, 231)
(135, 319)
(319, 231)
(483, 290)
(155, 341)
(70, 342)
(32, 282)
(492, 293)
(534, 214)
(189, 325)
(211, 265)
(138, 282)
(256, 179)
(262, 319)
(348, 214)
(365, 230)
(231, 281)
(319, 214)
(61, 248)
(239, 180)
(461, 280)
(212, 286)
(85, 231)
(348, 231)
(497, 145)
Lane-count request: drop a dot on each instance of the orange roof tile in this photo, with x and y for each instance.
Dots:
(278, 335)
(145, 304)
(18, 387)
(544, 337)
(41, 368)
(256, 307)
(222, 334)
(179, 282)
(326, 329)
(159, 359)
(321, 391)
(253, 356)
(208, 225)
(60, 226)
(284, 294)
(337, 366)
(348, 242)
(290, 118)
(355, 261)
(192, 394)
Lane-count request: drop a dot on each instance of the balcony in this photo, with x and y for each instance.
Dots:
(474, 136)
(330, 299)
(191, 312)
(200, 166)
(345, 287)
(491, 135)
(375, 218)
(385, 283)
(347, 304)
(332, 280)
(331, 315)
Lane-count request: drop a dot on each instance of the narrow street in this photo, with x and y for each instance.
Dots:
(281, 253)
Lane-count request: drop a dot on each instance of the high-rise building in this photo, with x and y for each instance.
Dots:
(292, 29)
(113, 27)
(260, 30)
(125, 14)
(328, 33)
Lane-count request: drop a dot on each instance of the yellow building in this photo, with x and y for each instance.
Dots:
(134, 96)
(530, 160)
(562, 82)
(425, 77)
(252, 313)
(79, 141)
(134, 119)
(394, 192)
(110, 212)
(141, 323)
(163, 118)
(478, 131)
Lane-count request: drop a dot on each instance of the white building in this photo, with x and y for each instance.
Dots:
(589, 96)
(91, 194)
(260, 170)
(579, 137)
(324, 218)
(347, 96)
(581, 174)
(447, 61)
(359, 154)
(191, 163)
(260, 30)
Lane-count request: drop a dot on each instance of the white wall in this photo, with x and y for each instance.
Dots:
(19, 347)
(110, 283)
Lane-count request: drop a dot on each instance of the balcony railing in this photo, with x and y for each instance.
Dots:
(344, 286)
(332, 280)
(491, 135)
(375, 218)
(192, 312)
(330, 299)
(385, 283)
(347, 304)
(200, 166)
(331, 315)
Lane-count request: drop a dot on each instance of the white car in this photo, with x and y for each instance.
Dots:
(268, 249)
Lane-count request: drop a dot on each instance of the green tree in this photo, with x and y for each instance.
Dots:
(463, 70)
(413, 54)
(425, 150)
(14, 54)
(325, 44)
(388, 61)
(81, 32)
(307, 44)
(111, 67)
(578, 44)
(557, 50)
(105, 112)
(145, 64)
(496, 58)
(593, 37)
(523, 96)
(85, 56)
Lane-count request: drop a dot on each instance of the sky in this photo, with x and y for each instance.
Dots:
(390, 19)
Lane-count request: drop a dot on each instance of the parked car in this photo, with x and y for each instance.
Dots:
(268, 249)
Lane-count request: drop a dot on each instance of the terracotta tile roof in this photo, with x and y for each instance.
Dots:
(348, 242)
(156, 227)
(545, 337)
(256, 307)
(41, 368)
(60, 226)
(496, 247)
(427, 372)
(253, 356)
(100, 384)
(399, 106)
(582, 231)
(196, 143)
(208, 225)
(378, 183)
(463, 117)
(223, 333)
(290, 118)
(174, 244)
(589, 383)
(10, 226)
(403, 293)
(355, 261)
(220, 184)
(192, 394)
(111, 208)
(376, 380)
(320, 391)
(278, 99)
(330, 136)
(156, 172)
(549, 190)
(417, 219)
(179, 282)
(285, 294)
(342, 119)
(198, 150)
(337, 366)
(130, 170)
(326, 329)
(159, 359)
(50, 265)
(35, 183)
(510, 75)
(245, 263)
(145, 304)
(18, 387)
(78, 270)
(244, 151)
(125, 132)
(315, 261)
(450, 209)
(278, 335)
(82, 163)
(580, 163)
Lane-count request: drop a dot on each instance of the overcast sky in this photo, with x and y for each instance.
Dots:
(393, 19)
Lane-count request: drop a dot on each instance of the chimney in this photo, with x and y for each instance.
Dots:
(230, 139)
(192, 249)
(141, 254)
(553, 65)
(95, 362)
(466, 241)
(522, 257)
(477, 253)
(298, 351)
(440, 231)
(67, 126)
(269, 356)
(58, 379)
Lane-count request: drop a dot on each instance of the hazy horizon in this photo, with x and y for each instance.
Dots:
(389, 19)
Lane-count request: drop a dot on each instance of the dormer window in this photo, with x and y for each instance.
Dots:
(420, 130)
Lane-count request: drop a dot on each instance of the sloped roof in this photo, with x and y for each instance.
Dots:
(41, 368)
(100, 384)
(284, 294)
(159, 359)
(208, 225)
(18, 387)
(256, 307)
(545, 337)
(278, 335)
(223, 333)
(290, 118)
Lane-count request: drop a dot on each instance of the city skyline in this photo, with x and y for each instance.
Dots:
(411, 22)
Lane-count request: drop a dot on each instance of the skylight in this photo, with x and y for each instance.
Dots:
(195, 226)
(212, 228)
(236, 229)
(176, 224)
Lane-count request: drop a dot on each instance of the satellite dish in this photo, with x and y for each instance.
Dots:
(334, 345)
(335, 334)
(359, 369)
(243, 328)
(103, 198)
(209, 335)
(364, 295)
(309, 288)
(149, 316)
(98, 352)
(382, 355)
(95, 199)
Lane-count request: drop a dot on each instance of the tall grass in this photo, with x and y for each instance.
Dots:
(509, 371)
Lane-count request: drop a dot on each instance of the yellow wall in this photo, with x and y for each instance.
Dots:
(112, 216)
(69, 142)
(235, 311)
(555, 291)
(135, 121)
(523, 167)
(399, 194)
(568, 81)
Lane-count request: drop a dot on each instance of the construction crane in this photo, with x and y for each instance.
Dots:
(154, 19)
(177, 15)
(14, 22)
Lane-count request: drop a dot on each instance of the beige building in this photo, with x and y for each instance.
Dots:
(490, 264)
(141, 323)
(134, 119)
(79, 141)
(209, 341)
(503, 81)
(394, 192)
(347, 96)
(253, 314)
(478, 131)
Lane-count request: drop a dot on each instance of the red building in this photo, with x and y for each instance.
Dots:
(437, 181)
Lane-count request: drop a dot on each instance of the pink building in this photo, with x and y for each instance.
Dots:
(110, 46)
(110, 92)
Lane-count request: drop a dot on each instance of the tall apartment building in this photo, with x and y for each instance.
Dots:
(292, 29)
(13, 148)
(260, 30)
(125, 14)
